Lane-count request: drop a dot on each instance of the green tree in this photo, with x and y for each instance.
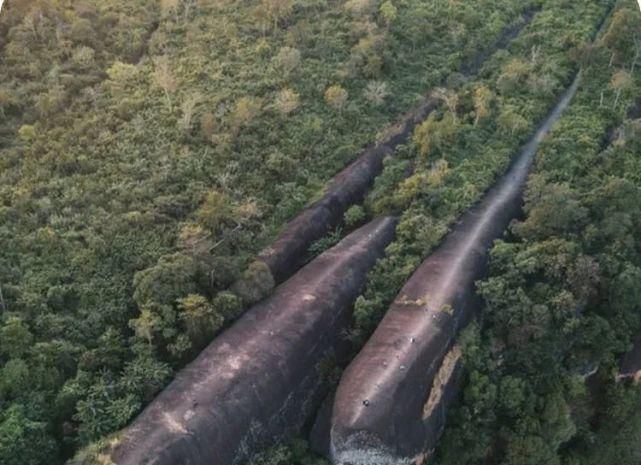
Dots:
(434, 134)
(623, 36)
(255, 284)
(215, 211)
(336, 97)
(22, 440)
(514, 74)
(388, 12)
(277, 10)
(147, 324)
(200, 318)
(511, 122)
(173, 277)
(15, 338)
(354, 216)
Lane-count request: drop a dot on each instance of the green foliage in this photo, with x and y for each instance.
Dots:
(228, 304)
(616, 439)
(172, 277)
(354, 216)
(27, 132)
(511, 122)
(255, 284)
(277, 10)
(623, 36)
(388, 12)
(167, 142)
(336, 97)
(295, 453)
(200, 317)
(558, 305)
(326, 242)
(15, 338)
(434, 135)
(24, 441)
(215, 211)
(101, 412)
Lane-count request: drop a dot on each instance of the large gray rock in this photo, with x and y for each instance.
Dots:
(258, 382)
(385, 409)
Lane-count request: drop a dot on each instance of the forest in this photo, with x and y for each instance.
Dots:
(149, 150)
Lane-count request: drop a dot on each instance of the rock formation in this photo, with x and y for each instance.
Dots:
(385, 409)
(259, 381)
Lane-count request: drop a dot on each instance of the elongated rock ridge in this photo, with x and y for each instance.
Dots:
(347, 188)
(260, 380)
(287, 253)
(385, 409)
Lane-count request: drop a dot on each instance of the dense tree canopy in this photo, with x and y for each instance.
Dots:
(562, 298)
(148, 151)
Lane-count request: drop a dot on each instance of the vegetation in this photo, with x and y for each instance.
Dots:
(459, 151)
(148, 150)
(456, 155)
(562, 296)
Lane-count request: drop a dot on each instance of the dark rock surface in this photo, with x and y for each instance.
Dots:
(379, 414)
(347, 188)
(631, 362)
(259, 381)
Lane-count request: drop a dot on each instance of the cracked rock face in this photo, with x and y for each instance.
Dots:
(400, 366)
(258, 381)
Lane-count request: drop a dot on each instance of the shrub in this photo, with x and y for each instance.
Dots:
(286, 102)
(255, 284)
(336, 97)
(376, 92)
(354, 216)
